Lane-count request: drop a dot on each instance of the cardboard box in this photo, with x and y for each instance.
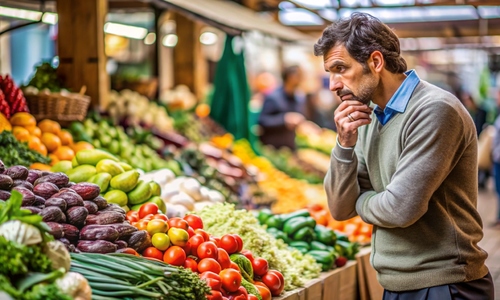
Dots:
(341, 283)
(368, 285)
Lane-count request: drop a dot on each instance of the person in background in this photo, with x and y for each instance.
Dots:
(283, 111)
(408, 166)
(321, 105)
(495, 155)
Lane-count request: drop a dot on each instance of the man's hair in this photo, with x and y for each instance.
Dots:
(288, 71)
(361, 34)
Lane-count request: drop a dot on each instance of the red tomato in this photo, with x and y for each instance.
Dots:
(132, 216)
(235, 266)
(191, 231)
(240, 242)
(147, 209)
(214, 284)
(209, 274)
(203, 233)
(273, 282)
(142, 225)
(248, 254)
(195, 241)
(231, 280)
(178, 223)
(260, 283)
(153, 253)
(264, 292)
(148, 217)
(128, 251)
(209, 264)
(216, 295)
(223, 259)
(252, 297)
(260, 266)
(175, 256)
(228, 242)
(240, 294)
(216, 240)
(207, 250)
(191, 264)
(161, 217)
(194, 221)
(280, 276)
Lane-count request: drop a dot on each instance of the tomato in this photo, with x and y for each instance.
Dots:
(209, 274)
(280, 276)
(147, 209)
(161, 241)
(132, 216)
(273, 282)
(264, 292)
(128, 251)
(223, 259)
(194, 221)
(216, 295)
(148, 217)
(240, 242)
(231, 280)
(142, 225)
(157, 225)
(187, 248)
(153, 253)
(177, 222)
(252, 297)
(228, 242)
(203, 233)
(214, 284)
(248, 255)
(195, 241)
(215, 240)
(191, 231)
(175, 256)
(260, 266)
(240, 294)
(207, 250)
(160, 217)
(191, 264)
(235, 266)
(209, 264)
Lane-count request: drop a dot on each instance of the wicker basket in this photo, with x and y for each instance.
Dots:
(61, 108)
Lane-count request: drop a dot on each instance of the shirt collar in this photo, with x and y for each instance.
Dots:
(401, 97)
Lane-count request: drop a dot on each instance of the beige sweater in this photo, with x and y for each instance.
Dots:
(415, 180)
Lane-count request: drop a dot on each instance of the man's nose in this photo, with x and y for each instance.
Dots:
(335, 84)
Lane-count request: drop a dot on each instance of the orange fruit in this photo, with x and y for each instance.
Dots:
(23, 119)
(21, 133)
(64, 153)
(34, 130)
(4, 123)
(202, 110)
(66, 137)
(50, 126)
(40, 166)
(34, 143)
(53, 159)
(81, 146)
(51, 141)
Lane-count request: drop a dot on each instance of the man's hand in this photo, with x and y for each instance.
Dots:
(349, 116)
(293, 119)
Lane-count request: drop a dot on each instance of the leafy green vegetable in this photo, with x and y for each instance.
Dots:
(297, 268)
(46, 77)
(14, 152)
(45, 292)
(19, 259)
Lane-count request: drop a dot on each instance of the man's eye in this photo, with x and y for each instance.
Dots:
(340, 68)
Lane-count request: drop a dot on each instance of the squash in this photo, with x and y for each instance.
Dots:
(4, 123)
(20, 233)
(75, 285)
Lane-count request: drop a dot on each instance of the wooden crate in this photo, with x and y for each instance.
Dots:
(314, 289)
(341, 284)
(292, 295)
(368, 285)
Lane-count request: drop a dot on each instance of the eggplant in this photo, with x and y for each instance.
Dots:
(23, 183)
(4, 195)
(57, 202)
(17, 172)
(76, 216)
(45, 189)
(56, 229)
(60, 179)
(124, 229)
(71, 232)
(28, 196)
(91, 207)
(109, 217)
(139, 240)
(6, 182)
(33, 175)
(100, 246)
(53, 214)
(99, 232)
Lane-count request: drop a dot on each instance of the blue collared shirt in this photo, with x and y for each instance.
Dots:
(400, 99)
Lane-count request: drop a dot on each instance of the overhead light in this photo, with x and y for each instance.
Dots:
(170, 40)
(20, 13)
(150, 39)
(208, 38)
(131, 32)
(49, 18)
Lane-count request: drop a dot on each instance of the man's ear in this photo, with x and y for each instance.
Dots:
(377, 62)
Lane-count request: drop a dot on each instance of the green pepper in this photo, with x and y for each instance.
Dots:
(341, 236)
(302, 249)
(304, 234)
(275, 222)
(263, 215)
(326, 236)
(300, 244)
(324, 258)
(320, 246)
(278, 234)
(298, 213)
(293, 225)
(311, 223)
(349, 249)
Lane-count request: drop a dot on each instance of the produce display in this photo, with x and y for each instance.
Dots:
(45, 78)
(323, 140)
(33, 265)
(11, 98)
(14, 152)
(297, 268)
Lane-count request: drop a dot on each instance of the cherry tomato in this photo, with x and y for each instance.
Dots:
(280, 276)
(228, 242)
(214, 284)
(207, 250)
(175, 256)
(187, 248)
(178, 223)
(203, 233)
(209, 274)
(248, 255)
(191, 264)
(273, 282)
(194, 221)
(147, 209)
(191, 231)
(132, 216)
(260, 266)
(264, 292)
(252, 297)
(128, 251)
(161, 217)
(216, 295)
(209, 264)
(223, 259)
(153, 253)
(231, 280)
(235, 266)
(195, 241)
(240, 242)
(215, 240)
(157, 226)
(142, 224)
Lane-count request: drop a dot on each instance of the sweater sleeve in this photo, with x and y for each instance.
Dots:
(435, 139)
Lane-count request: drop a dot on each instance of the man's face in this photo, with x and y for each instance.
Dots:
(350, 79)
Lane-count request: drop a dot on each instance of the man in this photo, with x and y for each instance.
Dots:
(283, 111)
(408, 167)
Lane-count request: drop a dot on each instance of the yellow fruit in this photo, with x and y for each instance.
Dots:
(23, 119)
(66, 138)
(51, 141)
(34, 143)
(64, 153)
(40, 166)
(81, 146)
(4, 123)
(50, 126)
(35, 131)
(178, 237)
(21, 133)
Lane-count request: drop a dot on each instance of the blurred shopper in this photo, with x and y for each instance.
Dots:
(283, 111)
(409, 167)
(496, 162)
(321, 105)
